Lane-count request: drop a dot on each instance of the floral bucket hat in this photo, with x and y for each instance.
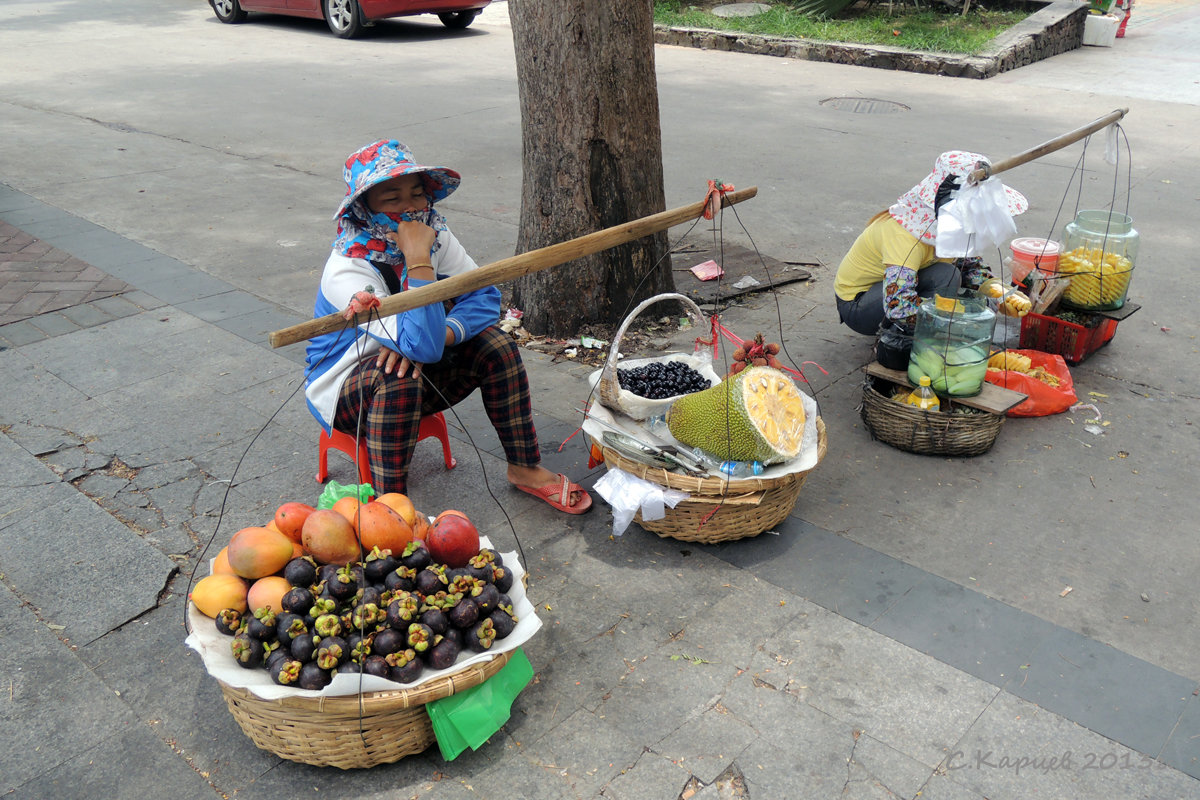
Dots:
(914, 209)
(387, 159)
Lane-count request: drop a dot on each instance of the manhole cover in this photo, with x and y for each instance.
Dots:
(864, 105)
(741, 10)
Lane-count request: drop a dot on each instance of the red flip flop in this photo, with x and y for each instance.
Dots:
(559, 495)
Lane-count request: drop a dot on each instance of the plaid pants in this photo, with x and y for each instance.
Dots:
(390, 408)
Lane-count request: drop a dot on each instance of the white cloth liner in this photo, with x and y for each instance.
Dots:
(214, 650)
(807, 459)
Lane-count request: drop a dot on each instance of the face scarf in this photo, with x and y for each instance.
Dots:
(364, 234)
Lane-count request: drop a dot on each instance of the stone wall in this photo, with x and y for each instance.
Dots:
(1056, 28)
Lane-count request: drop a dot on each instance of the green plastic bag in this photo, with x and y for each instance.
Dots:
(470, 717)
(335, 491)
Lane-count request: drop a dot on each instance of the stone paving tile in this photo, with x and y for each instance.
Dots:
(54, 706)
(103, 771)
(1016, 750)
(1111, 692)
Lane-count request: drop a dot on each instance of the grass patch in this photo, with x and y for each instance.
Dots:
(935, 27)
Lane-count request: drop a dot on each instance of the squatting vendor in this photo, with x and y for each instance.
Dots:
(893, 264)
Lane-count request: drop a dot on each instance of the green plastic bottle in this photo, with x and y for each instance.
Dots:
(923, 397)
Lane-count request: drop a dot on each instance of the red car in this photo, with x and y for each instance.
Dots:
(348, 18)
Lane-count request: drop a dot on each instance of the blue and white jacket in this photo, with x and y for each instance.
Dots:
(419, 334)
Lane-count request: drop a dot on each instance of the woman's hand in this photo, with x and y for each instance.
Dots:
(390, 360)
(415, 240)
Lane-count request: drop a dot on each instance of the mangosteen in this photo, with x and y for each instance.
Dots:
(487, 598)
(371, 594)
(378, 564)
(327, 572)
(419, 637)
(480, 567)
(327, 625)
(404, 610)
(351, 667)
(388, 641)
(481, 636)
(343, 585)
(443, 654)
(275, 655)
(313, 676)
(366, 616)
(404, 666)
(247, 651)
(430, 580)
(443, 600)
(401, 579)
(456, 634)
(375, 665)
(416, 555)
(303, 647)
(466, 585)
(331, 651)
(454, 573)
(492, 556)
(502, 579)
(505, 600)
(321, 606)
(288, 626)
(345, 615)
(298, 600)
(286, 671)
(436, 619)
(261, 626)
(465, 613)
(503, 622)
(228, 621)
(360, 646)
(301, 571)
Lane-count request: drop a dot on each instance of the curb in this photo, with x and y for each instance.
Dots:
(1056, 28)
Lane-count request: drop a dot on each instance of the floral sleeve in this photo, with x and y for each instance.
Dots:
(900, 298)
(973, 271)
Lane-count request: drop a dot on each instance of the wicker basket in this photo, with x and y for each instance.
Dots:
(641, 408)
(353, 731)
(719, 510)
(927, 432)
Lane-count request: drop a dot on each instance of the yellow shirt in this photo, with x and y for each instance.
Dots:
(883, 242)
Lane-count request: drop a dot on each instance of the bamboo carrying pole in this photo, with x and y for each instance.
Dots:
(509, 268)
(1058, 143)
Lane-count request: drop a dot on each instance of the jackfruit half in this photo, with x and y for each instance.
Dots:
(755, 415)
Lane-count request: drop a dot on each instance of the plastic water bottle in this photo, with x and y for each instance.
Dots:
(732, 469)
(741, 469)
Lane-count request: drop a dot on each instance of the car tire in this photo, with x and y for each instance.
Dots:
(344, 18)
(458, 19)
(229, 11)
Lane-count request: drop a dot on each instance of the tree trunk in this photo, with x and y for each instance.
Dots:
(591, 156)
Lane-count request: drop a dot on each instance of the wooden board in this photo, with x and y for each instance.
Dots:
(992, 398)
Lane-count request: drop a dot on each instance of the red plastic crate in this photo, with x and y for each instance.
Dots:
(1071, 341)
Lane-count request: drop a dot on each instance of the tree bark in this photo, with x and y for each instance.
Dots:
(591, 156)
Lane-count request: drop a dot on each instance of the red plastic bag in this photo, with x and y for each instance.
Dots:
(1043, 399)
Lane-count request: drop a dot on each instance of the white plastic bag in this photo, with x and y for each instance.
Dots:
(627, 493)
(975, 222)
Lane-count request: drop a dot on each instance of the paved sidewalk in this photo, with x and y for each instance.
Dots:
(818, 667)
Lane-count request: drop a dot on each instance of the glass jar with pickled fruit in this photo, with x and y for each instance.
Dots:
(951, 344)
(1099, 251)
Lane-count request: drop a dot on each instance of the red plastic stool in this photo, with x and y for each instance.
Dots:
(431, 425)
